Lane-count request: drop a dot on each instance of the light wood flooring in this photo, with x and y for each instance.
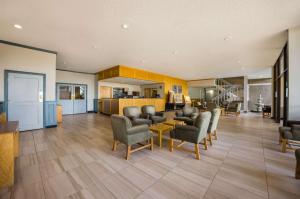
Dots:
(75, 161)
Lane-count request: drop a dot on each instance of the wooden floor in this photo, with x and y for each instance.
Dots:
(75, 161)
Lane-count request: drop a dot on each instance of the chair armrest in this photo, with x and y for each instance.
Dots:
(138, 129)
(287, 135)
(161, 114)
(296, 127)
(179, 113)
(194, 115)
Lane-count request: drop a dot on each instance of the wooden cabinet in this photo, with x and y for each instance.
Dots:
(2, 117)
(59, 113)
(9, 149)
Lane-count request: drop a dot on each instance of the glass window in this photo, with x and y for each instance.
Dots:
(79, 92)
(65, 92)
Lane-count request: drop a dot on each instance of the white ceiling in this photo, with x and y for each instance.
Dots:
(181, 38)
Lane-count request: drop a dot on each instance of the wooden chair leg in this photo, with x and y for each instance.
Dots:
(197, 151)
(128, 152)
(114, 145)
(205, 144)
(297, 171)
(210, 139)
(171, 144)
(215, 134)
(283, 145)
(151, 142)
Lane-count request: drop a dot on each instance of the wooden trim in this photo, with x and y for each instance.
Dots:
(72, 71)
(28, 47)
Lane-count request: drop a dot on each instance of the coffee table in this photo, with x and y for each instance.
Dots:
(173, 123)
(160, 129)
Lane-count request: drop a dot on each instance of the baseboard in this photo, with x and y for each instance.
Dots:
(92, 112)
(51, 126)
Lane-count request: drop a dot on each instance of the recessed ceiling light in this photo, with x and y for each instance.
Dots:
(125, 26)
(227, 38)
(239, 61)
(18, 26)
(143, 61)
(175, 52)
(94, 46)
(65, 63)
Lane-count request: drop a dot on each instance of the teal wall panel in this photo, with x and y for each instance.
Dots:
(50, 114)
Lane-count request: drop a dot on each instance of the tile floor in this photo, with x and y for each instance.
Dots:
(75, 160)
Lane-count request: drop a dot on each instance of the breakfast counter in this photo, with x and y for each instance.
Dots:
(115, 106)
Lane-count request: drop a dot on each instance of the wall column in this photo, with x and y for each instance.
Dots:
(246, 94)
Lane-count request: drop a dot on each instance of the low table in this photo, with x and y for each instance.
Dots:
(173, 123)
(160, 129)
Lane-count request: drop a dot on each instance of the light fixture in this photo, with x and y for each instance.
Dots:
(175, 52)
(125, 26)
(94, 46)
(227, 38)
(65, 63)
(143, 61)
(239, 61)
(18, 26)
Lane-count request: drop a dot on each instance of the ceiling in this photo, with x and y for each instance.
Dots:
(130, 81)
(189, 39)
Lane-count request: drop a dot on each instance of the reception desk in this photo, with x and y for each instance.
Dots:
(115, 106)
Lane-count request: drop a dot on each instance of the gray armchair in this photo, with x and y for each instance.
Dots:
(213, 124)
(125, 133)
(188, 114)
(135, 115)
(192, 133)
(155, 117)
(289, 135)
(234, 107)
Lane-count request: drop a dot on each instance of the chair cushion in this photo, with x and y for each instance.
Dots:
(132, 112)
(138, 137)
(139, 121)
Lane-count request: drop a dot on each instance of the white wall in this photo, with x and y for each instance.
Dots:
(80, 78)
(117, 85)
(294, 72)
(27, 60)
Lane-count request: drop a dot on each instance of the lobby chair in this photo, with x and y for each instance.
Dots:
(191, 133)
(135, 115)
(290, 136)
(234, 107)
(188, 114)
(125, 133)
(213, 124)
(155, 117)
(297, 172)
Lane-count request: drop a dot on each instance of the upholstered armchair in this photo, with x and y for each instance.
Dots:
(191, 133)
(213, 124)
(125, 133)
(234, 107)
(289, 135)
(135, 115)
(155, 117)
(188, 114)
(297, 171)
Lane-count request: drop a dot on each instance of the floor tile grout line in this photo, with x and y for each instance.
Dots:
(266, 170)
(39, 165)
(219, 167)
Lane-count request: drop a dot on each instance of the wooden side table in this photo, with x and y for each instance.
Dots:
(173, 123)
(9, 149)
(160, 129)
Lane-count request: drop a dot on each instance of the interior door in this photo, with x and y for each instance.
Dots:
(79, 98)
(25, 100)
(64, 98)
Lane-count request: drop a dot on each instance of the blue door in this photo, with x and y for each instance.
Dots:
(25, 99)
(72, 97)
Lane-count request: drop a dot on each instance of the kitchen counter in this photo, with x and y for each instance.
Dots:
(115, 106)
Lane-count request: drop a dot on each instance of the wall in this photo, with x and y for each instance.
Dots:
(196, 93)
(80, 78)
(255, 90)
(28, 60)
(117, 85)
(294, 71)
(159, 87)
